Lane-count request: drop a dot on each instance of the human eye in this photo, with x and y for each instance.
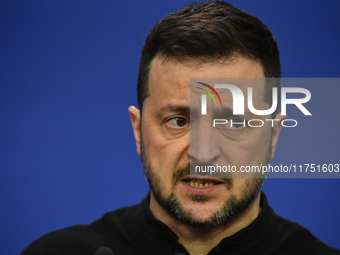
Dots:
(236, 123)
(233, 127)
(177, 122)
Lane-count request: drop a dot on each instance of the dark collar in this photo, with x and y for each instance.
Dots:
(257, 230)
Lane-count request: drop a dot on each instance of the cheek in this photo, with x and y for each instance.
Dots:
(251, 150)
(265, 137)
(261, 143)
(165, 155)
(155, 147)
(150, 134)
(157, 144)
(238, 185)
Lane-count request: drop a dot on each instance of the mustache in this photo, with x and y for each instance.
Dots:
(182, 172)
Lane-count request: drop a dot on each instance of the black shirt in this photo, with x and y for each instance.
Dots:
(134, 230)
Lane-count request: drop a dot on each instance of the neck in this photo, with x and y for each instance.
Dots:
(201, 241)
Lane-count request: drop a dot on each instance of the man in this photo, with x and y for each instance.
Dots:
(195, 214)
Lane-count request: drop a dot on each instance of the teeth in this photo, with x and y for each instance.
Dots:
(199, 184)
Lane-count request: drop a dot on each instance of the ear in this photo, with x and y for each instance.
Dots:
(276, 132)
(135, 121)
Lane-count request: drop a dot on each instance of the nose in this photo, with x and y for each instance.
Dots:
(204, 147)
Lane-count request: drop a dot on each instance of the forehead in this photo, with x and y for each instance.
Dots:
(169, 80)
(172, 74)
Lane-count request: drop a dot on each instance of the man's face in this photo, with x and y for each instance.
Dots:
(163, 141)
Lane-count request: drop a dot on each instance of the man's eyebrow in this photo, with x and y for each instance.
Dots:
(173, 109)
(223, 111)
(228, 111)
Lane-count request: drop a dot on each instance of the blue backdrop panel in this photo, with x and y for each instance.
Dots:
(68, 73)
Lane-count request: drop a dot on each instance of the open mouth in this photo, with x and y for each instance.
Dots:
(201, 183)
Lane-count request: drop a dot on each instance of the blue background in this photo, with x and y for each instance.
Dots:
(68, 72)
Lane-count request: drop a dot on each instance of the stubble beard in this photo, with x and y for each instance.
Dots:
(231, 209)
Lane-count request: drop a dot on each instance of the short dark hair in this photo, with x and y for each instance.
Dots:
(208, 32)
